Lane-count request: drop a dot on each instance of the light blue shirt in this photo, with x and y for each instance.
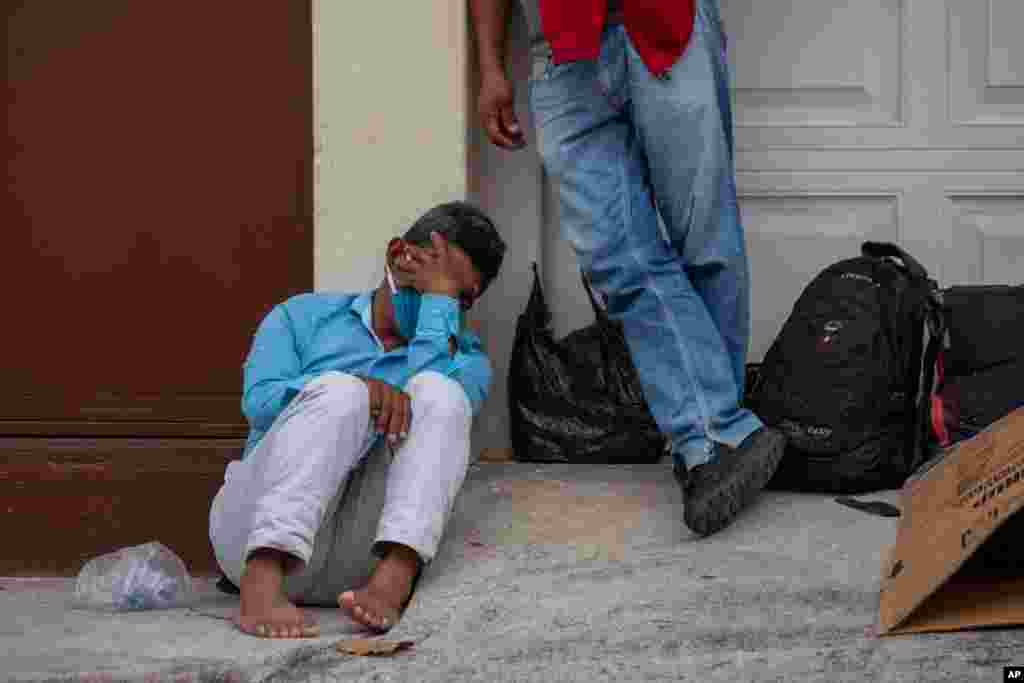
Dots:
(314, 333)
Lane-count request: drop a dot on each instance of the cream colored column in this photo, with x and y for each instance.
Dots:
(390, 88)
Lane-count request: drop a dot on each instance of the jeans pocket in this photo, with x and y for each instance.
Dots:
(540, 64)
(544, 68)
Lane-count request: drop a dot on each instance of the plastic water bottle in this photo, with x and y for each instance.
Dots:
(148, 576)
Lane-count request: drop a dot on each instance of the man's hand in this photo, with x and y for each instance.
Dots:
(390, 409)
(495, 101)
(495, 107)
(429, 270)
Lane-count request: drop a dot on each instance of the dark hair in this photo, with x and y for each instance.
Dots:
(464, 225)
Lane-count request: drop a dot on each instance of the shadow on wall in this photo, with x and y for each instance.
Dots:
(507, 185)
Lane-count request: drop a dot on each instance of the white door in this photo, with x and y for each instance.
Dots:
(893, 120)
(898, 120)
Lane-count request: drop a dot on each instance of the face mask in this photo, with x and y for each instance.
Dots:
(406, 303)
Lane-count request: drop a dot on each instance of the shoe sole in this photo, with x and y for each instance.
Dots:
(717, 508)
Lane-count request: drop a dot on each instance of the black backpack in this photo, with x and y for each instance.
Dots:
(849, 379)
(971, 403)
(986, 327)
(984, 365)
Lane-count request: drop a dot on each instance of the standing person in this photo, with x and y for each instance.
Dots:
(360, 407)
(631, 104)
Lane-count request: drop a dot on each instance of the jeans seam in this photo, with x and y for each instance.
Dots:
(685, 350)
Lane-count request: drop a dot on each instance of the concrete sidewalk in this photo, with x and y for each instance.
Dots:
(556, 573)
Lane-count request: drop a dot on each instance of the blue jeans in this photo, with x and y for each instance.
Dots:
(626, 146)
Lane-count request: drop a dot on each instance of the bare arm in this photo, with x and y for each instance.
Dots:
(490, 19)
(495, 101)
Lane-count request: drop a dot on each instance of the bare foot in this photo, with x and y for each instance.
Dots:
(378, 605)
(265, 611)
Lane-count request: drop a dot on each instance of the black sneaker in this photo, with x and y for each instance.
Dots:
(714, 493)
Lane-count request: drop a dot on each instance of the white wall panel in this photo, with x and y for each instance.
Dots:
(814, 63)
(989, 236)
(986, 62)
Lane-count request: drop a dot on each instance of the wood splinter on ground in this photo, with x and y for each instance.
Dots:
(363, 647)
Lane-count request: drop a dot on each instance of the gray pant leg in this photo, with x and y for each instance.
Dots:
(342, 552)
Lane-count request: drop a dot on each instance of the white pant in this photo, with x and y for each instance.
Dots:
(313, 488)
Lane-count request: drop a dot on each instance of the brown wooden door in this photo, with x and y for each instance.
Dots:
(159, 162)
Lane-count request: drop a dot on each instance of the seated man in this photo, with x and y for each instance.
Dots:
(360, 409)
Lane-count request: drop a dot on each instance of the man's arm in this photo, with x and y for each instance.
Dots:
(490, 19)
(272, 370)
(472, 369)
(430, 349)
(440, 323)
(495, 101)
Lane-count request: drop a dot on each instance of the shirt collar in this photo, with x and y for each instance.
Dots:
(362, 306)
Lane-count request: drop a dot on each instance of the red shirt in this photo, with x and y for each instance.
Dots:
(659, 29)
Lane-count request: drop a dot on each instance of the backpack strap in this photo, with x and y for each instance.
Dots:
(874, 507)
(931, 376)
(888, 250)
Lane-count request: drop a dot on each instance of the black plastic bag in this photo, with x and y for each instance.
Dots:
(577, 399)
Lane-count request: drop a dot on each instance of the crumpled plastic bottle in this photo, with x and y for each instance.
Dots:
(141, 577)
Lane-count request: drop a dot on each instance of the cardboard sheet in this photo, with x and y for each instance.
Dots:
(949, 568)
